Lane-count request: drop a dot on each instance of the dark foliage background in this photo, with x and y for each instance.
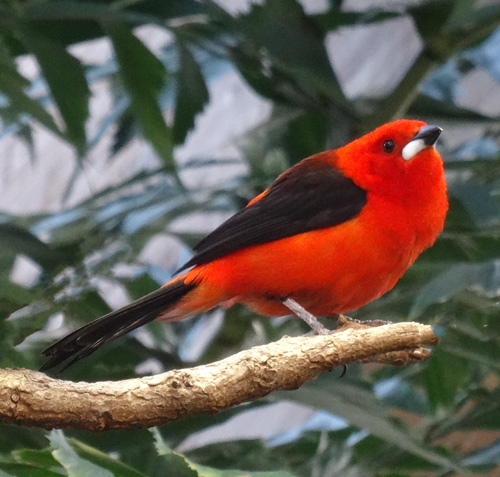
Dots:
(440, 417)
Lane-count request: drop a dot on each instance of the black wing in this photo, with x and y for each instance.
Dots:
(309, 196)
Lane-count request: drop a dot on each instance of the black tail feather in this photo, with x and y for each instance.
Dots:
(86, 340)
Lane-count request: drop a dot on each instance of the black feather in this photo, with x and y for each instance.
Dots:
(86, 340)
(309, 196)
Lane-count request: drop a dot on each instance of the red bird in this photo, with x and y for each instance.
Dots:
(332, 233)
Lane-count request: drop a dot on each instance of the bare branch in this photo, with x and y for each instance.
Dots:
(34, 399)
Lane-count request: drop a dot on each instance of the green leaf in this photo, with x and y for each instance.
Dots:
(269, 86)
(474, 24)
(74, 465)
(383, 459)
(192, 93)
(80, 459)
(284, 39)
(360, 407)
(12, 84)
(335, 17)
(478, 200)
(30, 463)
(476, 350)
(482, 278)
(27, 463)
(444, 376)
(32, 315)
(103, 460)
(485, 414)
(13, 437)
(430, 16)
(425, 106)
(39, 458)
(86, 306)
(125, 132)
(71, 21)
(17, 240)
(306, 135)
(81, 10)
(143, 76)
(177, 463)
(182, 467)
(16, 294)
(65, 77)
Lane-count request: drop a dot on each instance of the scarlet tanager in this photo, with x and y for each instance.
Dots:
(329, 235)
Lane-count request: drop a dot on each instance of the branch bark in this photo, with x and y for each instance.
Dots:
(32, 398)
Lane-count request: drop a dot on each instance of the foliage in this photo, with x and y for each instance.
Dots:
(377, 420)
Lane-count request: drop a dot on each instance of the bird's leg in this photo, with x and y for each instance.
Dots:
(312, 321)
(303, 314)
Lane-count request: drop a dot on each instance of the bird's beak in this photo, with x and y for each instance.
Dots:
(426, 137)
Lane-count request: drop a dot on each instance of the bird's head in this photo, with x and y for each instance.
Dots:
(399, 155)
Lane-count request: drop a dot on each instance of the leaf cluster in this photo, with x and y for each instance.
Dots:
(439, 417)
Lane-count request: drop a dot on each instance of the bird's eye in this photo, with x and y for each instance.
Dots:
(389, 146)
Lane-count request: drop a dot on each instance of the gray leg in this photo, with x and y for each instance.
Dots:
(303, 314)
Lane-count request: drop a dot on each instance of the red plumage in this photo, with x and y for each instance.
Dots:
(332, 233)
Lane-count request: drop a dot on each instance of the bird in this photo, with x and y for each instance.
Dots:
(332, 233)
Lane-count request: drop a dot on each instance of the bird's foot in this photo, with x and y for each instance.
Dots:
(395, 358)
(346, 323)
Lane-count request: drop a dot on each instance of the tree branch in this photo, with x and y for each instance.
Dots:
(32, 398)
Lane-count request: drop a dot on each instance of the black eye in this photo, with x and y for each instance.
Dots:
(389, 145)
